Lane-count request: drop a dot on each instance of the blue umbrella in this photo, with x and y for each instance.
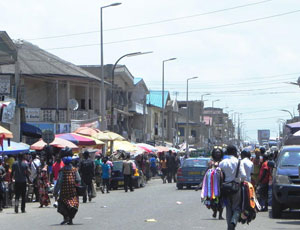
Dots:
(14, 148)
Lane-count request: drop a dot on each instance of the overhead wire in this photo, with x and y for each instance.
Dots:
(154, 22)
(181, 32)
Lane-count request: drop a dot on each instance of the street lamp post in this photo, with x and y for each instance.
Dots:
(163, 99)
(113, 81)
(213, 102)
(285, 110)
(188, 115)
(102, 101)
(206, 94)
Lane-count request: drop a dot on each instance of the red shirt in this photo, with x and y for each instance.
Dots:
(56, 167)
(264, 166)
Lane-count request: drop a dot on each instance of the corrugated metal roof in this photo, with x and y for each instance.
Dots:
(155, 98)
(35, 61)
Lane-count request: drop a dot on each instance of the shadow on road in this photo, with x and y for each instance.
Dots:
(288, 215)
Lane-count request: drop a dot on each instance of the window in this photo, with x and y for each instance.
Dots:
(193, 133)
(82, 104)
(181, 131)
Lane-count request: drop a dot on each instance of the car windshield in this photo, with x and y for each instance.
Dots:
(118, 165)
(195, 163)
(290, 159)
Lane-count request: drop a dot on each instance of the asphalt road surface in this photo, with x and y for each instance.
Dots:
(170, 208)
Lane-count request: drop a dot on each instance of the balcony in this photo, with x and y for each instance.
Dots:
(49, 115)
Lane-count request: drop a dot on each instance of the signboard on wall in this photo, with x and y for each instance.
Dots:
(64, 128)
(9, 111)
(44, 126)
(32, 114)
(5, 84)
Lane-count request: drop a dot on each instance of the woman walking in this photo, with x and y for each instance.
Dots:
(43, 185)
(68, 201)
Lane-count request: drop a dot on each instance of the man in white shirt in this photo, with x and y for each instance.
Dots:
(34, 171)
(229, 167)
(248, 164)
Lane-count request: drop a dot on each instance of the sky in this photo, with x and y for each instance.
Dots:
(243, 52)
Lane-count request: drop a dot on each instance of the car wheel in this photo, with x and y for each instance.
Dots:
(276, 208)
(179, 186)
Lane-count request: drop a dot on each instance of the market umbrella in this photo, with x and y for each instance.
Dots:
(13, 148)
(87, 131)
(126, 146)
(110, 136)
(79, 139)
(162, 149)
(146, 147)
(174, 150)
(58, 143)
(4, 133)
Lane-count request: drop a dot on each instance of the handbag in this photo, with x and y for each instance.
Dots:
(80, 190)
(231, 187)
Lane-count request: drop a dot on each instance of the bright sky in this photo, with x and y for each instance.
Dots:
(241, 55)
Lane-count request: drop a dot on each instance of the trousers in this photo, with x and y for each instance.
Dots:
(233, 210)
(20, 190)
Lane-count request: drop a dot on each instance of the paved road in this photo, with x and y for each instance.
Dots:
(121, 211)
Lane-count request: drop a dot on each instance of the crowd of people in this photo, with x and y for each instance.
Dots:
(240, 168)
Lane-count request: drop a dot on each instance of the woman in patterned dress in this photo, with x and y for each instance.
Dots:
(43, 185)
(68, 201)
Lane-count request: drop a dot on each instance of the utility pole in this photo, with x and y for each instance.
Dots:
(176, 122)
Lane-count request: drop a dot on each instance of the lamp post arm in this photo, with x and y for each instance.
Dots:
(112, 93)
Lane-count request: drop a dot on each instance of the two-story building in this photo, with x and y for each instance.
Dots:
(51, 92)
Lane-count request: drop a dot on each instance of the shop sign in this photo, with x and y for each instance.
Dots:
(9, 111)
(32, 114)
(5, 84)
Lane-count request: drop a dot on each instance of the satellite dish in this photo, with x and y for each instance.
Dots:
(73, 104)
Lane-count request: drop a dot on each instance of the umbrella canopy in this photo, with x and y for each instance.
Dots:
(109, 136)
(174, 150)
(79, 139)
(125, 146)
(146, 147)
(162, 149)
(58, 143)
(5, 133)
(14, 148)
(87, 131)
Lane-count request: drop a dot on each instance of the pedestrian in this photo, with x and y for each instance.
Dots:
(87, 172)
(233, 171)
(65, 188)
(43, 184)
(172, 166)
(256, 167)
(263, 183)
(248, 164)
(57, 166)
(153, 166)
(98, 170)
(128, 173)
(20, 174)
(34, 172)
(106, 172)
(164, 169)
(2, 185)
(217, 156)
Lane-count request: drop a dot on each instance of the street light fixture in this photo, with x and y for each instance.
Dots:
(285, 110)
(102, 101)
(213, 102)
(206, 94)
(188, 115)
(113, 81)
(163, 99)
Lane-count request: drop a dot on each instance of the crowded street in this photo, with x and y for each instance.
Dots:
(120, 210)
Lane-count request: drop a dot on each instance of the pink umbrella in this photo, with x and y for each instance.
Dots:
(146, 147)
(76, 139)
(162, 149)
(58, 143)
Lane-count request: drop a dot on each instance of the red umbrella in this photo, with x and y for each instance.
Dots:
(87, 131)
(58, 143)
(77, 139)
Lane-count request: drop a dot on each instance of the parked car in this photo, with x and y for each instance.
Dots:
(191, 172)
(117, 177)
(286, 181)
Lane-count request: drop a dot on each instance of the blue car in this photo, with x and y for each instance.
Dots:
(191, 172)
(286, 180)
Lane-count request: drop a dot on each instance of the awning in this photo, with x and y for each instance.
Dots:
(30, 130)
(294, 127)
